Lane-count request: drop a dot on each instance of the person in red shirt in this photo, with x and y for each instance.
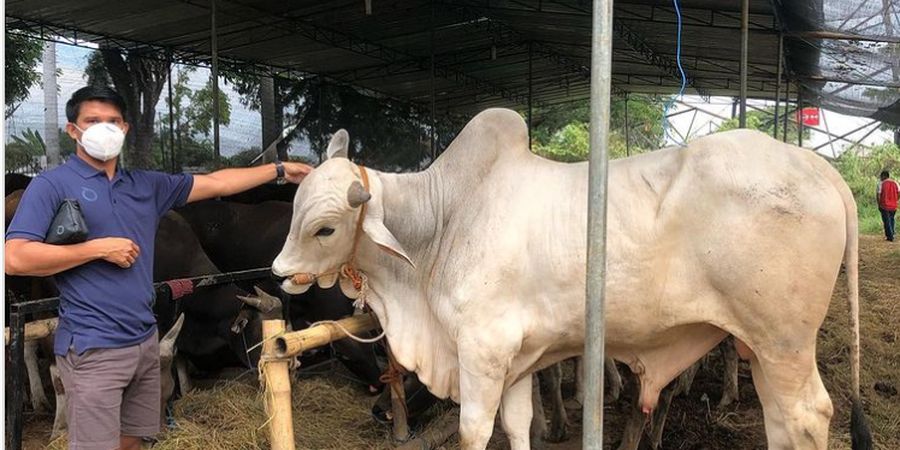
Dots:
(887, 193)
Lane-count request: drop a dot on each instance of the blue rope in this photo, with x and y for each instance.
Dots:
(170, 415)
(671, 101)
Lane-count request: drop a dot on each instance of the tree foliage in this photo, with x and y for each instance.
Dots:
(200, 110)
(384, 133)
(562, 132)
(139, 78)
(23, 152)
(861, 170)
(23, 53)
(765, 121)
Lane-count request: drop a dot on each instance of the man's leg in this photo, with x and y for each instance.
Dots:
(891, 215)
(94, 383)
(886, 221)
(141, 401)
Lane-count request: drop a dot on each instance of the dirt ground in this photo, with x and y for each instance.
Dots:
(333, 412)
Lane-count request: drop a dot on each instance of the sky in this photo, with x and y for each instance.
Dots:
(244, 130)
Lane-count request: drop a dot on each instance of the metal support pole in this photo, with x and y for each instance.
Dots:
(778, 84)
(830, 141)
(799, 115)
(787, 103)
(530, 91)
(627, 129)
(16, 421)
(601, 85)
(171, 115)
(215, 79)
(745, 31)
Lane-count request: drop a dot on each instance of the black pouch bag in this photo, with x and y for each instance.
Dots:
(68, 225)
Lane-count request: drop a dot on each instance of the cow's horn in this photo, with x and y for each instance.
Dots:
(252, 301)
(167, 344)
(267, 302)
(357, 194)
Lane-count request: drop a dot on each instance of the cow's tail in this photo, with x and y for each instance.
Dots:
(859, 426)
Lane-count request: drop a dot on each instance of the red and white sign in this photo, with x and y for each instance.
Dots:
(809, 116)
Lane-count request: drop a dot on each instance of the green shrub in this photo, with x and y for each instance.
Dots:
(861, 174)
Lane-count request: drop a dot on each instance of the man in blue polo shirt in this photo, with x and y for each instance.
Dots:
(106, 344)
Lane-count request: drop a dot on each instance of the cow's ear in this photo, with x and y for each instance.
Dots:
(375, 229)
(338, 147)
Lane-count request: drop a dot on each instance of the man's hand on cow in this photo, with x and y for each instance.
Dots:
(119, 251)
(295, 172)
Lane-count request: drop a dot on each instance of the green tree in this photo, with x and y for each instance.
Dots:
(139, 78)
(860, 171)
(23, 152)
(561, 132)
(22, 56)
(200, 110)
(765, 121)
(192, 114)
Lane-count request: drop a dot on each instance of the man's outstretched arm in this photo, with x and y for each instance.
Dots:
(227, 182)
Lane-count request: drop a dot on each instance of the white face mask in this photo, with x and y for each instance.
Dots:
(102, 141)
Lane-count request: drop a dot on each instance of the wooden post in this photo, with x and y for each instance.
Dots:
(36, 330)
(294, 343)
(278, 389)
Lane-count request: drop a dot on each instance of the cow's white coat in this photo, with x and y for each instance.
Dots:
(476, 266)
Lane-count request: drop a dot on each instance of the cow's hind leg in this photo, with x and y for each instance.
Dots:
(612, 376)
(637, 420)
(615, 380)
(796, 406)
(551, 380)
(516, 412)
(730, 391)
(538, 419)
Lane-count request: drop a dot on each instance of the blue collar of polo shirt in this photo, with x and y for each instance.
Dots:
(81, 167)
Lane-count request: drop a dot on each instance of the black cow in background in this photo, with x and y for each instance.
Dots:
(265, 192)
(206, 338)
(14, 182)
(239, 236)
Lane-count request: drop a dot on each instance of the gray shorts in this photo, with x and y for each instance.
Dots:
(111, 392)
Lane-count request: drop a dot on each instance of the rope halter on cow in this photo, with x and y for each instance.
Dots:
(347, 270)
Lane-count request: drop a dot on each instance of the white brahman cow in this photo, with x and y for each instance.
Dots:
(476, 267)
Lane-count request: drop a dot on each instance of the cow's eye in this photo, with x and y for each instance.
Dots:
(325, 231)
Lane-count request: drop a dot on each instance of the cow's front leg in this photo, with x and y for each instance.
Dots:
(479, 400)
(516, 412)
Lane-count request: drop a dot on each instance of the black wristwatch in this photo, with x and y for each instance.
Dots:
(279, 171)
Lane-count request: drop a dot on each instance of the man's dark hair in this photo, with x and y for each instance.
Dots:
(96, 93)
(885, 175)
